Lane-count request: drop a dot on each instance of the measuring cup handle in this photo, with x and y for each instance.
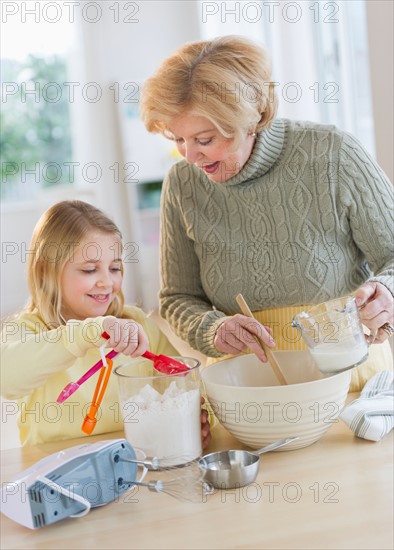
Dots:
(275, 445)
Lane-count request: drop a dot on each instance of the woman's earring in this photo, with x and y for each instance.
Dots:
(250, 133)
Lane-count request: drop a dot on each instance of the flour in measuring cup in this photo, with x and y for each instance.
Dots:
(165, 425)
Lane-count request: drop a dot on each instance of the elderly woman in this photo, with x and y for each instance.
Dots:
(287, 213)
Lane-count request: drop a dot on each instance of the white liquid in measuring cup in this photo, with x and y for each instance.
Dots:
(338, 357)
(165, 425)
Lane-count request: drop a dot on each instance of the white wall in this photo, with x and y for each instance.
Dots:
(17, 223)
(380, 16)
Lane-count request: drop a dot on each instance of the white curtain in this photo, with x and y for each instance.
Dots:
(319, 53)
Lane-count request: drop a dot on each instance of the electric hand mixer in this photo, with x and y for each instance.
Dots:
(68, 483)
(71, 482)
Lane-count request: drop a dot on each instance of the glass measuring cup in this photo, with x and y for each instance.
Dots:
(334, 335)
(161, 412)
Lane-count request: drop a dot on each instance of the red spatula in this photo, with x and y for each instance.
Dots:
(161, 363)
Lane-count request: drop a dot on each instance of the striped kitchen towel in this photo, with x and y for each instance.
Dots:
(371, 416)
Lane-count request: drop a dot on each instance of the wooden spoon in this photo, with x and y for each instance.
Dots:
(270, 356)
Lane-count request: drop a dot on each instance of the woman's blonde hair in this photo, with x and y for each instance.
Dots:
(57, 234)
(227, 80)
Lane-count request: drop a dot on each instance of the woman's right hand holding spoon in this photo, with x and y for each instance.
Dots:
(236, 334)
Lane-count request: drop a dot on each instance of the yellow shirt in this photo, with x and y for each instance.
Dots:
(36, 364)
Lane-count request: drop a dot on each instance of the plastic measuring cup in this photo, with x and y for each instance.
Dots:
(334, 334)
(161, 412)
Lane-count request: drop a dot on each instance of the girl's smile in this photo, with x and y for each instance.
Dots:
(92, 277)
(100, 297)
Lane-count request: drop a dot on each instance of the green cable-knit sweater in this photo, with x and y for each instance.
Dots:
(308, 218)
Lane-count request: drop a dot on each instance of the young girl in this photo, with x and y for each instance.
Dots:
(75, 276)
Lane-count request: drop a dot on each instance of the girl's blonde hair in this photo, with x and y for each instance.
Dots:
(57, 234)
(227, 80)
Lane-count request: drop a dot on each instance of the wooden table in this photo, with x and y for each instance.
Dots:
(336, 493)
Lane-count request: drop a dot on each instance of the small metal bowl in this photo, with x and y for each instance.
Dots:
(231, 469)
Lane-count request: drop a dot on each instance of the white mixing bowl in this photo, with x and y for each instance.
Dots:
(246, 398)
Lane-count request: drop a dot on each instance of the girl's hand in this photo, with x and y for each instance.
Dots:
(376, 306)
(205, 427)
(235, 335)
(126, 336)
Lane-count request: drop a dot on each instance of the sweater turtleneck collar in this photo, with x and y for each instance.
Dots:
(267, 148)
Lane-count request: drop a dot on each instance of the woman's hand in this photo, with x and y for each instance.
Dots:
(236, 333)
(126, 336)
(376, 306)
(205, 427)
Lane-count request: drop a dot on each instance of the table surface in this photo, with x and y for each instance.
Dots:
(336, 493)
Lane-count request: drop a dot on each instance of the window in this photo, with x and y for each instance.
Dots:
(343, 64)
(36, 145)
